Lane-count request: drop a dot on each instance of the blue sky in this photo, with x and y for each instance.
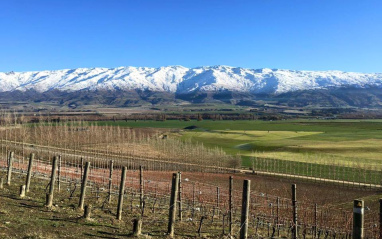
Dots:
(289, 34)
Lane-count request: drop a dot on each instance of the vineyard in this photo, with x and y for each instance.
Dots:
(127, 175)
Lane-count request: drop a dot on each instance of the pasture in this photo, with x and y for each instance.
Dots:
(347, 150)
(341, 142)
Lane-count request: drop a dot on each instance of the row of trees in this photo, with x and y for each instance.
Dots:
(14, 118)
(88, 136)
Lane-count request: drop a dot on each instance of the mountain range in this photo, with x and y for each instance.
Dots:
(185, 83)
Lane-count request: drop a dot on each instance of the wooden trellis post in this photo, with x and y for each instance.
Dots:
(59, 174)
(110, 180)
(180, 196)
(29, 174)
(278, 215)
(217, 199)
(230, 212)
(87, 212)
(121, 193)
(22, 191)
(315, 220)
(380, 218)
(49, 198)
(10, 164)
(141, 194)
(82, 166)
(294, 205)
(245, 209)
(137, 227)
(358, 219)
(83, 186)
(173, 202)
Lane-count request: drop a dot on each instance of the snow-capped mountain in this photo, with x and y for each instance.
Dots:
(179, 79)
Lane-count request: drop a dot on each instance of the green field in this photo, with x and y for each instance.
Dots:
(343, 143)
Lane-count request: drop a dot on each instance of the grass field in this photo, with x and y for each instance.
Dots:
(313, 141)
(343, 143)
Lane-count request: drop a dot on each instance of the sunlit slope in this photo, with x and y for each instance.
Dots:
(345, 148)
(321, 141)
(183, 80)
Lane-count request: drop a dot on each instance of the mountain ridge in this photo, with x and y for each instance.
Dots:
(183, 80)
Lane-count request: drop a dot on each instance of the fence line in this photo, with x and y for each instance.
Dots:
(262, 166)
(267, 216)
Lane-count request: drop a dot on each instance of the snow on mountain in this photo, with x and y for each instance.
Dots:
(180, 79)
